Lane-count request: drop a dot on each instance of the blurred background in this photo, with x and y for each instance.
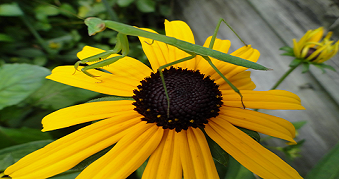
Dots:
(36, 36)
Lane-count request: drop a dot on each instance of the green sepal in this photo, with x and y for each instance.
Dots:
(110, 98)
(295, 62)
(327, 167)
(323, 66)
(288, 54)
(95, 25)
(288, 51)
(305, 67)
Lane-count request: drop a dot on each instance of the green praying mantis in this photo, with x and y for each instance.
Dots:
(96, 25)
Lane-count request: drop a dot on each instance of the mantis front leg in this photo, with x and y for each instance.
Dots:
(121, 45)
(163, 79)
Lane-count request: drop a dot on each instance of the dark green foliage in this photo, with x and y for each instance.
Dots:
(37, 36)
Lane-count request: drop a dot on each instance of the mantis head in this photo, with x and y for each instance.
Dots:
(94, 25)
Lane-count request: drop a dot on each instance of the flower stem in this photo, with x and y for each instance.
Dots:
(284, 76)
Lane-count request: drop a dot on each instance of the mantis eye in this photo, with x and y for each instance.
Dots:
(194, 99)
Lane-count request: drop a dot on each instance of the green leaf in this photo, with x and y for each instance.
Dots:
(54, 95)
(5, 38)
(111, 98)
(124, 3)
(24, 135)
(293, 151)
(141, 169)
(327, 167)
(299, 124)
(82, 165)
(7, 161)
(217, 152)
(12, 154)
(19, 81)
(165, 10)
(295, 62)
(146, 6)
(305, 67)
(29, 52)
(237, 171)
(67, 175)
(43, 11)
(10, 10)
(255, 135)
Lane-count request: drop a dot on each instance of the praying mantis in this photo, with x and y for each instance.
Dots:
(96, 25)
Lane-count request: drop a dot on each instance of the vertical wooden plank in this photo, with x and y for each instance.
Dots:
(321, 130)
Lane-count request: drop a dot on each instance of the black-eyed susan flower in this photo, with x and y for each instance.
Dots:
(312, 49)
(174, 145)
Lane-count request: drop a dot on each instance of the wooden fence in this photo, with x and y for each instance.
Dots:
(268, 25)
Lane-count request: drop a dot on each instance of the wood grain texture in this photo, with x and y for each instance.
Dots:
(268, 25)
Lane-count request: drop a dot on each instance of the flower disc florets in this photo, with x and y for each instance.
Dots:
(194, 99)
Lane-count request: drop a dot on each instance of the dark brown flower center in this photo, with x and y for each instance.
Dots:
(310, 52)
(194, 99)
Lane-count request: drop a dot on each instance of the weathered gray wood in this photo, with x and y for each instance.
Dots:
(268, 25)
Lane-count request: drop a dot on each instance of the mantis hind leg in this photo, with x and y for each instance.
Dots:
(235, 89)
(216, 32)
(214, 67)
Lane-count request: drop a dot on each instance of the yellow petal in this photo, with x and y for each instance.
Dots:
(219, 45)
(316, 35)
(273, 99)
(248, 152)
(185, 155)
(263, 123)
(229, 70)
(85, 112)
(241, 80)
(304, 38)
(88, 51)
(201, 154)
(68, 151)
(127, 155)
(296, 49)
(165, 163)
(195, 155)
(156, 52)
(179, 30)
(106, 83)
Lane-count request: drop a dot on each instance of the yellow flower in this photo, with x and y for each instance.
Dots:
(176, 146)
(312, 49)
